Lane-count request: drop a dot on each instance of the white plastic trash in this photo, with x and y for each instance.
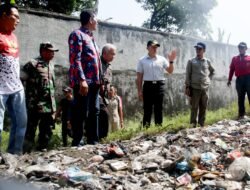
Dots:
(239, 168)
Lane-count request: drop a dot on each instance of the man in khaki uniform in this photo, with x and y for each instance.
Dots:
(198, 74)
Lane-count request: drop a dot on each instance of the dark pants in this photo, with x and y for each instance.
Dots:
(65, 132)
(153, 94)
(33, 120)
(243, 88)
(45, 122)
(199, 102)
(103, 123)
(85, 115)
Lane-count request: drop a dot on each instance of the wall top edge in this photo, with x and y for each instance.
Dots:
(45, 13)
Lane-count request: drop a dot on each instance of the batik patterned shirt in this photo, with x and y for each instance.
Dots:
(84, 58)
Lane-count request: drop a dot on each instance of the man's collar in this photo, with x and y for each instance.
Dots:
(203, 58)
(41, 59)
(148, 57)
(87, 31)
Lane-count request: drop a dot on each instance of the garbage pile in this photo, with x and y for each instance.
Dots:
(216, 157)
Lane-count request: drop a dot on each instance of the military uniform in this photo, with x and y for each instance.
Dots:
(40, 100)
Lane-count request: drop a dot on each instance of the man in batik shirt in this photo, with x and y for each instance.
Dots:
(84, 73)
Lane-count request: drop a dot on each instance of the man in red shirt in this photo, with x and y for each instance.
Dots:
(11, 89)
(240, 66)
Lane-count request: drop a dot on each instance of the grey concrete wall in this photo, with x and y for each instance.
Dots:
(36, 27)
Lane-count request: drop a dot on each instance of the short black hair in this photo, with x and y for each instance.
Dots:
(242, 45)
(6, 8)
(85, 16)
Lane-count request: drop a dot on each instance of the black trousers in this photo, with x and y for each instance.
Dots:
(103, 123)
(243, 88)
(33, 120)
(45, 123)
(65, 132)
(85, 115)
(153, 94)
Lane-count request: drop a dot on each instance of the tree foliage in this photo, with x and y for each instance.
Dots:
(179, 16)
(59, 6)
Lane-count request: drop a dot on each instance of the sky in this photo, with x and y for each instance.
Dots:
(229, 15)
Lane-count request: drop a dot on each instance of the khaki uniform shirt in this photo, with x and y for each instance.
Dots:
(198, 73)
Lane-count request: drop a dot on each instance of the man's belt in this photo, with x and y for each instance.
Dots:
(155, 82)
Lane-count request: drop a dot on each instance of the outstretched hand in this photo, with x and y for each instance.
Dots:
(172, 55)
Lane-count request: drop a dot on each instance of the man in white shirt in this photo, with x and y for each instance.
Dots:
(151, 81)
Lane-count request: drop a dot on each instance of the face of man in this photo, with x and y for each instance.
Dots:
(199, 52)
(109, 55)
(152, 50)
(47, 54)
(242, 50)
(11, 21)
(93, 23)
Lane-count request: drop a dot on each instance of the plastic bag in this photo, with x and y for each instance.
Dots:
(239, 168)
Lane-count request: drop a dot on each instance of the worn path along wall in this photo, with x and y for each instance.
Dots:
(36, 27)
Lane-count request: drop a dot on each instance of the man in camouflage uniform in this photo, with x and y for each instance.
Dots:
(108, 54)
(40, 96)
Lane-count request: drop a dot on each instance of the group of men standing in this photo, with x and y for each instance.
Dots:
(199, 72)
(88, 73)
(150, 72)
(85, 75)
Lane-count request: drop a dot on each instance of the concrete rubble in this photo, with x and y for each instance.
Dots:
(214, 157)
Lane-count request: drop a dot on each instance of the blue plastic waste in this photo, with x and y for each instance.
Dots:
(183, 166)
(74, 173)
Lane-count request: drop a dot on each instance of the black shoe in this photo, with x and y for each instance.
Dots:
(28, 146)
